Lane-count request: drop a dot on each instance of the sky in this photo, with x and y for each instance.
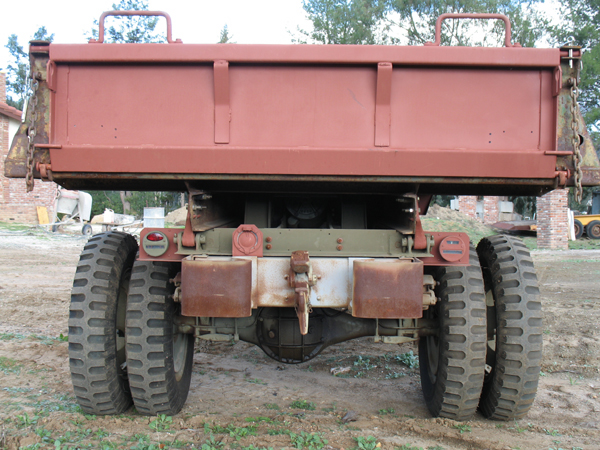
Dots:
(194, 21)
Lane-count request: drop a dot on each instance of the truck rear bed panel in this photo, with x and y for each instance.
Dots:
(303, 120)
(444, 118)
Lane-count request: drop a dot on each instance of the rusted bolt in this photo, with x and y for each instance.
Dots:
(269, 239)
(271, 334)
(285, 277)
(269, 246)
(318, 277)
(340, 240)
(339, 247)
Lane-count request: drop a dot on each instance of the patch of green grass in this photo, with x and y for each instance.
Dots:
(25, 421)
(212, 444)
(303, 404)
(409, 447)
(256, 381)
(12, 226)
(274, 406)
(161, 423)
(277, 431)
(462, 428)
(259, 419)
(9, 365)
(366, 443)
(364, 363)
(550, 432)
(233, 431)
(310, 441)
(409, 359)
(394, 375)
(584, 244)
(17, 390)
(385, 412)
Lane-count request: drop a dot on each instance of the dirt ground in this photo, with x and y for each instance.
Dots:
(242, 399)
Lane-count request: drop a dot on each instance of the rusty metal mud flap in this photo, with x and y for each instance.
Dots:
(387, 288)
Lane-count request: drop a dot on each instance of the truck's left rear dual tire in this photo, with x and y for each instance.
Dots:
(452, 362)
(97, 324)
(159, 359)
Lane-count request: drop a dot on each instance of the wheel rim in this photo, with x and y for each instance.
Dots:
(120, 328)
(180, 349)
(433, 357)
(491, 343)
(433, 349)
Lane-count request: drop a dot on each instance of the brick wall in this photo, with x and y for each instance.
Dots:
(16, 205)
(553, 220)
(490, 210)
(467, 204)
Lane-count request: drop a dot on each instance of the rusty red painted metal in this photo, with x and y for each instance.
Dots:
(304, 120)
(388, 290)
(170, 254)
(247, 241)
(438, 259)
(216, 288)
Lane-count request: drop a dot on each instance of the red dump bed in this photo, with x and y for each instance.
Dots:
(304, 110)
(441, 117)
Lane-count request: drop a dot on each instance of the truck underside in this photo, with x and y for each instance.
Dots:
(307, 169)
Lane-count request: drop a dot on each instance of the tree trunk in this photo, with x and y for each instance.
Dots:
(126, 205)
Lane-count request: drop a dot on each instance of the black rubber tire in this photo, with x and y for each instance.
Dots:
(87, 230)
(97, 324)
(578, 229)
(159, 360)
(593, 229)
(453, 362)
(514, 350)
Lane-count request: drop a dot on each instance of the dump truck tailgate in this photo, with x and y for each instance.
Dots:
(436, 116)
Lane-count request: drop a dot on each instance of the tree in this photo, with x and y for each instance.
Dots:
(225, 38)
(18, 70)
(345, 21)
(413, 22)
(131, 29)
(417, 19)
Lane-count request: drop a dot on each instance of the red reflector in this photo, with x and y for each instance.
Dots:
(155, 237)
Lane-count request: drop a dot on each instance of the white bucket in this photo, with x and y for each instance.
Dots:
(154, 217)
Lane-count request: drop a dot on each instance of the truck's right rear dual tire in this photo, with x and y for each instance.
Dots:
(514, 316)
(159, 359)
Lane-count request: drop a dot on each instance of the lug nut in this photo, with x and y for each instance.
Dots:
(269, 246)
(339, 247)
(340, 240)
(269, 239)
